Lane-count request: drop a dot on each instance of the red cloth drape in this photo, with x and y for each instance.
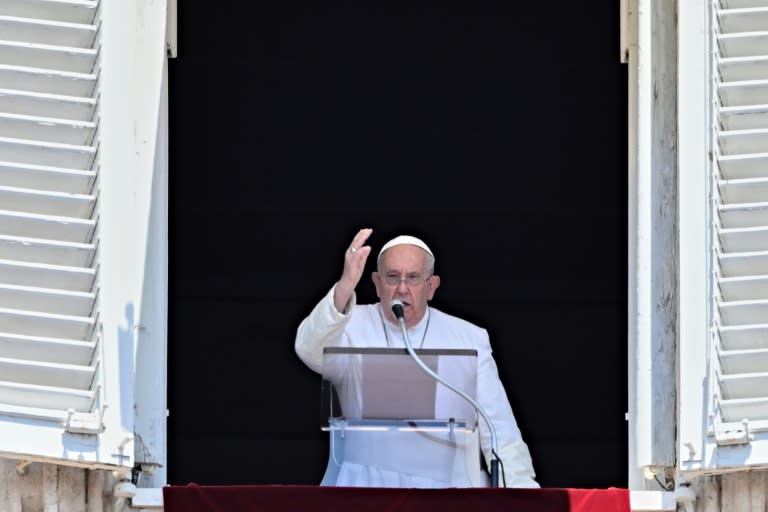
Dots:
(267, 498)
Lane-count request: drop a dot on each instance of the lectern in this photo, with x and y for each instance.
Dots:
(386, 414)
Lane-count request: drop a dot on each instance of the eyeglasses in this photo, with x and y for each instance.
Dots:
(410, 280)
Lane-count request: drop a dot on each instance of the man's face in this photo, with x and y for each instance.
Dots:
(403, 275)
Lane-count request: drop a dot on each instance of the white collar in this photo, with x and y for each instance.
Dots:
(416, 334)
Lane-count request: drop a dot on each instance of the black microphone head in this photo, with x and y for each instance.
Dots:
(397, 308)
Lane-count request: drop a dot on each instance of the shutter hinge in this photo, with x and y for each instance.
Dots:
(729, 434)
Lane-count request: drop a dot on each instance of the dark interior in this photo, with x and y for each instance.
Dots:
(497, 134)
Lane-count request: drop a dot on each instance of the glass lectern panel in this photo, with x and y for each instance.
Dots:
(387, 384)
(384, 412)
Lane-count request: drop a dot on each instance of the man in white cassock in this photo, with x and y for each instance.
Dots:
(405, 271)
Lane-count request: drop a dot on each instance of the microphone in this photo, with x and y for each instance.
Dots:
(397, 310)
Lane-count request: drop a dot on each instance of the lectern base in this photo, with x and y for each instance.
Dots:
(403, 453)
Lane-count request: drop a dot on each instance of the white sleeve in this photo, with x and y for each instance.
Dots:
(511, 449)
(517, 465)
(323, 327)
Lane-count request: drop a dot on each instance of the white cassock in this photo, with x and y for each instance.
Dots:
(364, 326)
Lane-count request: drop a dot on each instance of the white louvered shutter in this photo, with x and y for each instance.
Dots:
(738, 414)
(51, 377)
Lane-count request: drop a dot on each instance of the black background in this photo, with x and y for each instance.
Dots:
(496, 134)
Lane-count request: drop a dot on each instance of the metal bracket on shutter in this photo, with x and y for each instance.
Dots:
(729, 434)
(84, 422)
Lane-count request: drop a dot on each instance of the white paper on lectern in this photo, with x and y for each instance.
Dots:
(390, 385)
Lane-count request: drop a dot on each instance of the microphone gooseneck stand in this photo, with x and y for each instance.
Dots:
(397, 309)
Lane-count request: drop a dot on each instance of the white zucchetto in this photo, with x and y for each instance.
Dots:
(406, 240)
